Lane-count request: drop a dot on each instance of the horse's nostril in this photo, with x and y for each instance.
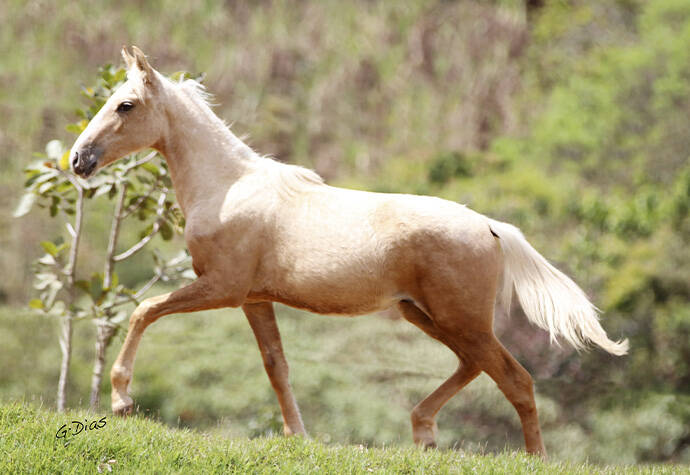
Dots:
(75, 159)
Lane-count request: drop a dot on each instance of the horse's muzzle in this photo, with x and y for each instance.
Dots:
(85, 161)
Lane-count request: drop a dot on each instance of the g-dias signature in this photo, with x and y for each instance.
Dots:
(74, 428)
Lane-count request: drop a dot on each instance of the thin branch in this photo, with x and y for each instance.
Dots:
(156, 226)
(147, 158)
(157, 276)
(78, 218)
(135, 206)
(69, 270)
(141, 161)
(114, 234)
(139, 246)
(127, 298)
(140, 293)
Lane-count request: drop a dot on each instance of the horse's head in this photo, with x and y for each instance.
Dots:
(130, 120)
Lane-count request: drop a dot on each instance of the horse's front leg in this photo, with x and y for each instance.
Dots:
(202, 294)
(263, 321)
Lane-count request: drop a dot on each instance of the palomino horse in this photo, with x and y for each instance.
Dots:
(260, 231)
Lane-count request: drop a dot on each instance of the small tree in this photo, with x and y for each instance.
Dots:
(139, 187)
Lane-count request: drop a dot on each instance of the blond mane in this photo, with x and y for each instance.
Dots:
(290, 178)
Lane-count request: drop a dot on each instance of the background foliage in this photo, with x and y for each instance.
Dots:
(568, 119)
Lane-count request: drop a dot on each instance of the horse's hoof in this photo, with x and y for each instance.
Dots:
(123, 408)
(426, 442)
(429, 445)
(424, 433)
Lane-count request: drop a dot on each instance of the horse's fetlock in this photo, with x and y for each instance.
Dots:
(420, 417)
(120, 376)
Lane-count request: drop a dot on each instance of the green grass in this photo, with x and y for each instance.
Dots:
(138, 445)
(356, 381)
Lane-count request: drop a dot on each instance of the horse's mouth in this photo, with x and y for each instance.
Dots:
(85, 162)
(88, 170)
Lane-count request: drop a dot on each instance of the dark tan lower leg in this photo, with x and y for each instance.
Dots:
(517, 385)
(424, 428)
(263, 322)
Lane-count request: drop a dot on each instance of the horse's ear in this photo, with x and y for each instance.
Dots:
(127, 58)
(147, 73)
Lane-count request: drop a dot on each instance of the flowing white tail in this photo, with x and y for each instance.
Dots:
(549, 298)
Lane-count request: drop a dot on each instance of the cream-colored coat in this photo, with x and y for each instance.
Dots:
(260, 231)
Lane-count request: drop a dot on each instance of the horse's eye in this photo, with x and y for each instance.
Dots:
(125, 106)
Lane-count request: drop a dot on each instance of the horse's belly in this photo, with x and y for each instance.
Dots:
(334, 307)
(336, 295)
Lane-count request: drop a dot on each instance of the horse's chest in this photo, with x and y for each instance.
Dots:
(221, 244)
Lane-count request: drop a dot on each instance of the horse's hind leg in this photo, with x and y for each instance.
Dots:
(424, 428)
(515, 383)
(263, 322)
(478, 351)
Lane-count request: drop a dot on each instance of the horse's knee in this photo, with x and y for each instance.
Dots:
(141, 314)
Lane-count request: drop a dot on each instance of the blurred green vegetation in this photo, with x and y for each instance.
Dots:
(569, 120)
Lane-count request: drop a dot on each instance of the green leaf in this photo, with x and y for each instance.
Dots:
(166, 231)
(25, 203)
(83, 285)
(64, 187)
(74, 128)
(151, 168)
(96, 287)
(119, 75)
(144, 180)
(50, 248)
(36, 303)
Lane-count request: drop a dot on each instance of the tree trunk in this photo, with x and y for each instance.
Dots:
(66, 347)
(66, 335)
(105, 332)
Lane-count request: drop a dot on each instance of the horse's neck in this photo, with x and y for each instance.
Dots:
(203, 156)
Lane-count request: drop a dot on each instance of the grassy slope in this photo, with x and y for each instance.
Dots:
(356, 381)
(137, 445)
